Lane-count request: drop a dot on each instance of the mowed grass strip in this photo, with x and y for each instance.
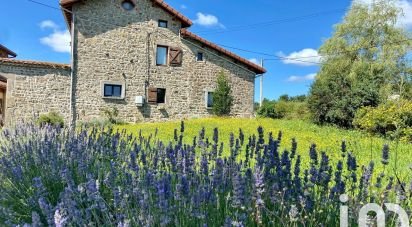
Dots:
(327, 139)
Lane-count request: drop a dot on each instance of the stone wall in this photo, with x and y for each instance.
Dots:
(112, 44)
(35, 89)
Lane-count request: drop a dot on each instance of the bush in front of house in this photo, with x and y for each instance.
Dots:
(55, 177)
(222, 96)
(52, 118)
(392, 119)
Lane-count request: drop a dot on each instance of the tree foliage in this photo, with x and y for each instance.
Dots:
(364, 62)
(222, 97)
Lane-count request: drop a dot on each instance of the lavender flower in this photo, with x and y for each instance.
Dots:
(313, 154)
(215, 135)
(241, 136)
(59, 220)
(182, 127)
(385, 154)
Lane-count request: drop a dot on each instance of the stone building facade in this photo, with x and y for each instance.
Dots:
(33, 88)
(136, 56)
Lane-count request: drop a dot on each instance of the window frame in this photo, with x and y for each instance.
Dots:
(159, 22)
(197, 56)
(113, 84)
(207, 99)
(167, 55)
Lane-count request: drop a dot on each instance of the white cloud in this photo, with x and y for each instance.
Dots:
(405, 18)
(207, 20)
(183, 6)
(298, 79)
(58, 40)
(305, 57)
(48, 24)
(254, 60)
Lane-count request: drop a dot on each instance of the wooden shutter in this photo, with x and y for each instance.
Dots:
(152, 95)
(175, 56)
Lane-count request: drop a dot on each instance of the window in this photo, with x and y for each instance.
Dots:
(111, 90)
(161, 55)
(162, 23)
(161, 95)
(156, 95)
(199, 56)
(128, 5)
(209, 99)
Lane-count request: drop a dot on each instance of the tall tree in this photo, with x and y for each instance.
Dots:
(222, 97)
(363, 63)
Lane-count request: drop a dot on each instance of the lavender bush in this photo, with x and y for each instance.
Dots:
(51, 176)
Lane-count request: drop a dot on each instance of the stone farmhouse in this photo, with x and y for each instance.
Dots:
(137, 56)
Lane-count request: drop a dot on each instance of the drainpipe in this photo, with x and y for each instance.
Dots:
(72, 75)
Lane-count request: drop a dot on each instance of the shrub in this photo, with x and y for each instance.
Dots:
(292, 110)
(112, 116)
(268, 110)
(52, 118)
(52, 177)
(335, 100)
(222, 97)
(284, 109)
(393, 119)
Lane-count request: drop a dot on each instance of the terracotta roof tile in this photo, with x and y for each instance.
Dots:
(11, 53)
(254, 67)
(33, 63)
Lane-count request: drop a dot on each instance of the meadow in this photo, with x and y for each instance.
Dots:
(327, 138)
(204, 172)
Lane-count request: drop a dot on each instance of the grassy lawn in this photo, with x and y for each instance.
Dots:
(327, 139)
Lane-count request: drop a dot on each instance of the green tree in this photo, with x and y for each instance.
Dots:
(222, 97)
(362, 63)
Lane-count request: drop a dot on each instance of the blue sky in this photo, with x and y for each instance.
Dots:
(36, 32)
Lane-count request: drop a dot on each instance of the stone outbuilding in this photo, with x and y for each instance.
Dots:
(136, 56)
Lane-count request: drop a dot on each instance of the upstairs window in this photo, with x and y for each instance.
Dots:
(199, 56)
(128, 5)
(156, 95)
(209, 99)
(161, 55)
(163, 24)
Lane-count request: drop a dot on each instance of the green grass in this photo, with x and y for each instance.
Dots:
(327, 138)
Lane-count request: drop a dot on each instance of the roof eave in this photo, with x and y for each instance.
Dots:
(9, 52)
(252, 66)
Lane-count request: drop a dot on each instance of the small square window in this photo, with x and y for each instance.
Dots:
(209, 99)
(199, 56)
(112, 91)
(161, 95)
(161, 55)
(163, 23)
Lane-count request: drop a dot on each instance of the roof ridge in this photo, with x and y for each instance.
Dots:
(36, 63)
(186, 22)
